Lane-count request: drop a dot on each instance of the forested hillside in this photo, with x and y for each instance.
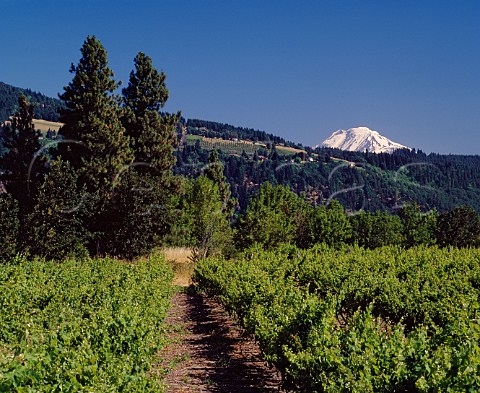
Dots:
(45, 108)
(358, 180)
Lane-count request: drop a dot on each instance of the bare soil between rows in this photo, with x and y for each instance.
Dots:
(208, 352)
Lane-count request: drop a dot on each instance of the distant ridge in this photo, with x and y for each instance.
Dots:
(45, 108)
(361, 139)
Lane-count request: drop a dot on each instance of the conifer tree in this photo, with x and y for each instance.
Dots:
(94, 139)
(95, 143)
(214, 172)
(20, 168)
(152, 136)
(146, 89)
(141, 212)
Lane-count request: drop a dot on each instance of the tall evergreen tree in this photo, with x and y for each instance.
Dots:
(95, 141)
(152, 136)
(141, 211)
(20, 168)
(146, 89)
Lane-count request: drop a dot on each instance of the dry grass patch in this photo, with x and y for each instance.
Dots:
(177, 254)
(179, 258)
(44, 125)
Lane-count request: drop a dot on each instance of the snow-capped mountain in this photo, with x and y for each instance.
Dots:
(361, 139)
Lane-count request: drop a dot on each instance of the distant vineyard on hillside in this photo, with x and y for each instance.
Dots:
(238, 147)
(212, 129)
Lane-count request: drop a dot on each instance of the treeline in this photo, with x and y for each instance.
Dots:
(213, 129)
(436, 170)
(44, 107)
(276, 215)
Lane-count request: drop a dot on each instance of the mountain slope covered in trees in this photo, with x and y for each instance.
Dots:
(360, 181)
(45, 108)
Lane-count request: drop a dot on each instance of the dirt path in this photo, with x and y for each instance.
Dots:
(208, 352)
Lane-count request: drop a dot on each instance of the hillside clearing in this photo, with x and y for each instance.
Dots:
(44, 125)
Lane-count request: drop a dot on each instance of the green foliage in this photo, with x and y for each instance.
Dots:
(114, 191)
(179, 233)
(139, 212)
(271, 218)
(209, 224)
(94, 140)
(9, 224)
(152, 136)
(91, 325)
(376, 230)
(358, 320)
(55, 226)
(277, 215)
(459, 227)
(365, 181)
(418, 228)
(329, 225)
(146, 90)
(214, 172)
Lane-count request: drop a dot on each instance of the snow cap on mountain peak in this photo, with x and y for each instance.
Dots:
(361, 139)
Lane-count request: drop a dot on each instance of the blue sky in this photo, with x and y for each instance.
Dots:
(299, 69)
